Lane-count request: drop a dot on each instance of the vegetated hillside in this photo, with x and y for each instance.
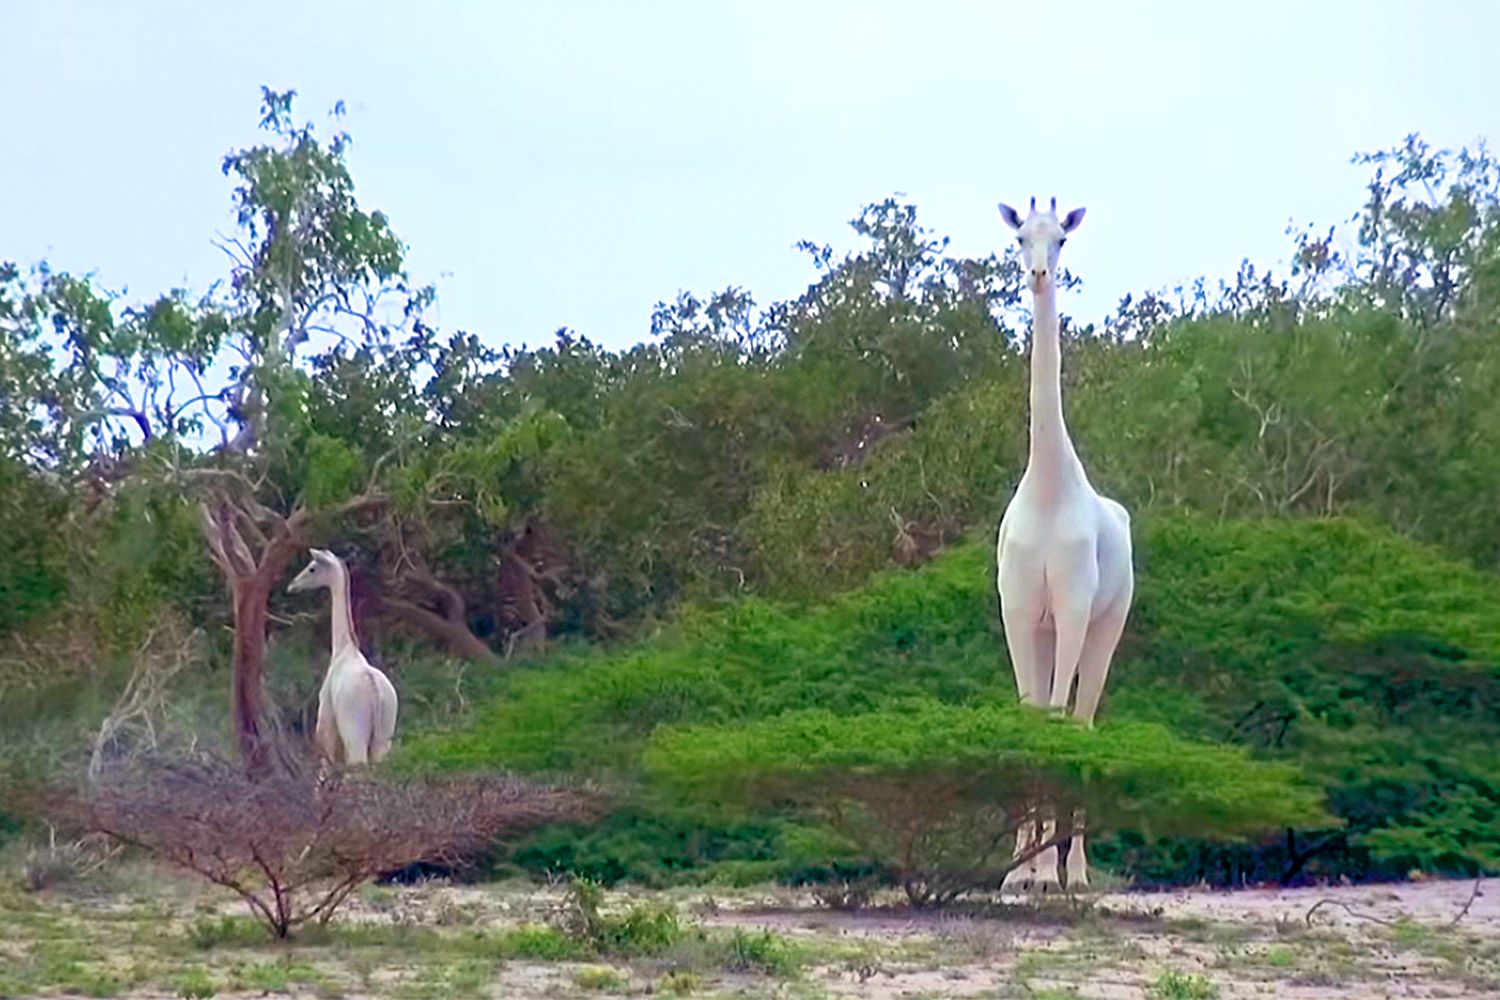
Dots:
(1371, 662)
(791, 451)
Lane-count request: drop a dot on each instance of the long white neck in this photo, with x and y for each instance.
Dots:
(1052, 459)
(342, 615)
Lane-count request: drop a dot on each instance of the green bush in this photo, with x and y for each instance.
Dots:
(925, 633)
(597, 978)
(1371, 661)
(764, 952)
(539, 942)
(32, 563)
(641, 930)
(196, 984)
(680, 983)
(1174, 985)
(1365, 659)
(932, 792)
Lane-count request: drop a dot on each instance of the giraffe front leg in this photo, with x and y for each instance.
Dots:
(1078, 862)
(1020, 878)
(1072, 625)
(1046, 881)
(1039, 873)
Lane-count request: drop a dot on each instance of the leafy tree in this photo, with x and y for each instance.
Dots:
(309, 263)
(1428, 228)
(934, 792)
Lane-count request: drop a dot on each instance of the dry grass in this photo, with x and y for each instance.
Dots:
(160, 935)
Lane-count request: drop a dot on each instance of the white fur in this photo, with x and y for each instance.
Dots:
(1064, 553)
(357, 703)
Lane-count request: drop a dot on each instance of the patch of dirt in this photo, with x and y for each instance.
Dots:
(1359, 942)
(1432, 901)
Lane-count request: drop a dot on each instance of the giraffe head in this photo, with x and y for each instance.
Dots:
(1041, 237)
(324, 570)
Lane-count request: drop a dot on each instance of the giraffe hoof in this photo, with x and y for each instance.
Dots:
(1016, 882)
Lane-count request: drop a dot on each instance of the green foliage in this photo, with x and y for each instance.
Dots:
(642, 930)
(1365, 660)
(333, 471)
(827, 531)
(32, 563)
(1246, 592)
(764, 952)
(1174, 985)
(990, 756)
(1427, 227)
(538, 942)
(932, 792)
(599, 978)
(1372, 661)
(660, 844)
(212, 932)
(593, 710)
(196, 984)
(1460, 832)
(680, 983)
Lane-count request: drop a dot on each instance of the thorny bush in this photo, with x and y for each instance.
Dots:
(294, 845)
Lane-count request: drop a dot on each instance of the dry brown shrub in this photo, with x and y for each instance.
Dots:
(293, 845)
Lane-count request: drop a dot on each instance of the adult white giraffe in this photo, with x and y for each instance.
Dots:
(1064, 553)
(357, 704)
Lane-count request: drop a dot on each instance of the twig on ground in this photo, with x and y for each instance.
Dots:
(1325, 901)
(1473, 895)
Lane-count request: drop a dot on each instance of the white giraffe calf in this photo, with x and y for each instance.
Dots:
(357, 703)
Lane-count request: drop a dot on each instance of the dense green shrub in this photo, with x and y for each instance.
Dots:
(930, 632)
(32, 568)
(933, 792)
(1372, 661)
(1365, 659)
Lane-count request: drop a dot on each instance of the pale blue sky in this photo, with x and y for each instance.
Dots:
(569, 163)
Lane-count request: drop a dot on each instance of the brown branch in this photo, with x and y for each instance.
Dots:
(449, 601)
(454, 635)
(1473, 895)
(246, 522)
(1325, 901)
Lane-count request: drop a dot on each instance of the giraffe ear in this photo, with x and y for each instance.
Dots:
(1072, 219)
(1012, 219)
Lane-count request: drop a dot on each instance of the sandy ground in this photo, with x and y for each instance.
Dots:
(1334, 942)
(1339, 943)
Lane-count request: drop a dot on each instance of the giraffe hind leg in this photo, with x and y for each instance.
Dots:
(1094, 659)
(1031, 649)
(356, 724)
(385, 719)
(1077, 863)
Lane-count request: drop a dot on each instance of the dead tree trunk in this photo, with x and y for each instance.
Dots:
(250, 576)
(418, 600)
(531, 584)
(452, 634)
